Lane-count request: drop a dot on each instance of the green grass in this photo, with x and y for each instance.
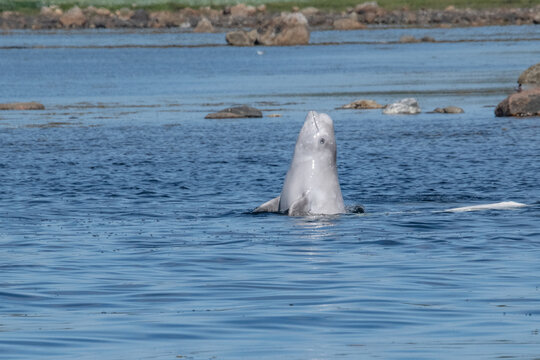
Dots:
(276, 5)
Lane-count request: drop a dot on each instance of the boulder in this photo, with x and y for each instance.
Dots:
(286, 29)
(310, 11)
(74, 17)
(531, 75)
(103, 12)
(52, 11)
(242, 11)
(124, 14)
(348, 24)
(211, 14)
(428, 39)
(406, 106)
(140, 18)
(45, 22)
(449, 110)
(241, 38)
(362, 104)
(408, 39)
(204, 26)
(236, 112)
(524, 103)
(161, 19)
(369, 6)
(22, 106)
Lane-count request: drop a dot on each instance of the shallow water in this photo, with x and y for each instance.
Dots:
(125, 225)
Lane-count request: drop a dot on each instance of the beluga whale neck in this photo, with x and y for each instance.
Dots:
(311, 186)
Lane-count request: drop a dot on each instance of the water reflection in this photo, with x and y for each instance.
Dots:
(317, 227)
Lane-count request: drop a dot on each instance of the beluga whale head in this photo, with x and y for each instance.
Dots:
(311, 186)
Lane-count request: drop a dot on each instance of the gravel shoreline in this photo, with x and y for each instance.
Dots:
(248, 17)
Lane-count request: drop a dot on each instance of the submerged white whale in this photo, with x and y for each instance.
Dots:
(494, 206)
(311, 186)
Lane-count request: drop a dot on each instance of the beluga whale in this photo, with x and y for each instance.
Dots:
(311, 186)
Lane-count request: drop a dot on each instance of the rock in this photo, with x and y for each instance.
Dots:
(236, 112)
(52, 11)
(408, 39)
(310, 11)
(348, 24)
(124, 14)
(140, 18)
(369, 6)
(531, 75)
(287, 29)
(524, 103)
(22, 106)
(160, 19)
(449, 110)
(404, 106)
(103, 12)
(242, 10)
(362, 104)
(204, 26)
(241, 38)
(427, 39)
(211, 14)
(74, 17)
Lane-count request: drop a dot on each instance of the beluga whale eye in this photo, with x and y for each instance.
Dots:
(322, 141)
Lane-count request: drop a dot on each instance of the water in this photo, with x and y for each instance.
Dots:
(125, 225)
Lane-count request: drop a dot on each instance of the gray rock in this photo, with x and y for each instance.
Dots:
(427, 39)
(366, 7)
(406, 106)
(140, 18)
(348, 24)
(449, 110)
(408, 39)
(74, 17)
(204, 26)
(531, 75)
(22, 106)
(241, 38)
(236, 112)
(287, 29)
(524, 103)
(362, 104)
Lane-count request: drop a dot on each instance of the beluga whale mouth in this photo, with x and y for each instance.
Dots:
(311, 186)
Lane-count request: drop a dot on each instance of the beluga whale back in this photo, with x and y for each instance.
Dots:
(311, 186)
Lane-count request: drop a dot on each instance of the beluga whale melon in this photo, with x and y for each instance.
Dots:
(311, 186)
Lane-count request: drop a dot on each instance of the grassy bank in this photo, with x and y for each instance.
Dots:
(335, 5)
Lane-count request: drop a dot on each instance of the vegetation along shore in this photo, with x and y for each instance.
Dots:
(216, 16)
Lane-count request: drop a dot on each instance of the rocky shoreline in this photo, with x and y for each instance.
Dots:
(248, 17)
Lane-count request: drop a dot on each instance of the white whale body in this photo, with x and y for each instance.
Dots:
(495, 206)
(311, 186)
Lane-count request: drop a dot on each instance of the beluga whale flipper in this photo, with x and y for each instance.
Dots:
(311, 186)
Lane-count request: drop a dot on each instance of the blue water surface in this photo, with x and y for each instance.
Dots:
(126, 229)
